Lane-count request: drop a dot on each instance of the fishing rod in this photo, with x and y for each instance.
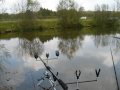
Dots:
(114, 69)
(118, 88)
(62, 84)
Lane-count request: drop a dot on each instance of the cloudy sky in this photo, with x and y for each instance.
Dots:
(52, 4)
(87, 4)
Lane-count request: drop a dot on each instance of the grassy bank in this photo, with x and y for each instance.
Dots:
(48, 23)
(45, 23)
(7, 25)
(11, 25)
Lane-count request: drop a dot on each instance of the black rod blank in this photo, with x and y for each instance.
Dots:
(62, 84)
(114, 70)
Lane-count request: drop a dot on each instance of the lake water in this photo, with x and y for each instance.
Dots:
(83, 50)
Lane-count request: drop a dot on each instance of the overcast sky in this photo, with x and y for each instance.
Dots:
(52, 4)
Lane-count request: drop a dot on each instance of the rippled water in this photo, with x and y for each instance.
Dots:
(20, 71)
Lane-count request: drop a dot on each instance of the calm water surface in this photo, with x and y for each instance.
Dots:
(20, 71)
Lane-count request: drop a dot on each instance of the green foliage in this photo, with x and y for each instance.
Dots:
(87, 23)
(48, 23)
(28, 20)
(103, 17)
(67, 14)
(39, 24)
(69, 18)
(42, 13)
(7, 25)
(45, 13)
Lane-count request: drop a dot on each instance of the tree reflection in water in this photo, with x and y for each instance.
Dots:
(12, 74)
(4, 56)
(102, 40)
(31, 47)
(107, 40)
(70, 46)
(116, 44)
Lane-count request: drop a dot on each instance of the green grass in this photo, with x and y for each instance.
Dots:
(87, 22)
(5, 25)
(44, 23)
(48, 23)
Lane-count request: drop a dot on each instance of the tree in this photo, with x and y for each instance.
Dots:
(103, 17)
(117, 5)
(33, 5)
(81, 11)
(28, 21)
(2, 9)
(68, 14)
(45, 13)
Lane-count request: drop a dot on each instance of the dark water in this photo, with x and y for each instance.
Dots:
(84, 50)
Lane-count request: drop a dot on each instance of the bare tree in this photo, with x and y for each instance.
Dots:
(81, 11)
(117, 5)
(103, 17)
(28, 18)
(2, 8)
(33, 5)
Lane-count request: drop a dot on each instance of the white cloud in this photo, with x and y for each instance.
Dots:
(90, 4)
(52, 4)
(87, 4)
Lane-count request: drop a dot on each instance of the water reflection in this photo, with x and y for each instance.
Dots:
(70, 46)
(31, 47)
(4, 55)
(116, 44)
(13, 71)
(102, 40)
(86, 52)
(107, 40)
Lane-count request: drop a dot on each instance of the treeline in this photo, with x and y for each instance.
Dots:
(103, 17)
(46, 13)
(42, 13)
